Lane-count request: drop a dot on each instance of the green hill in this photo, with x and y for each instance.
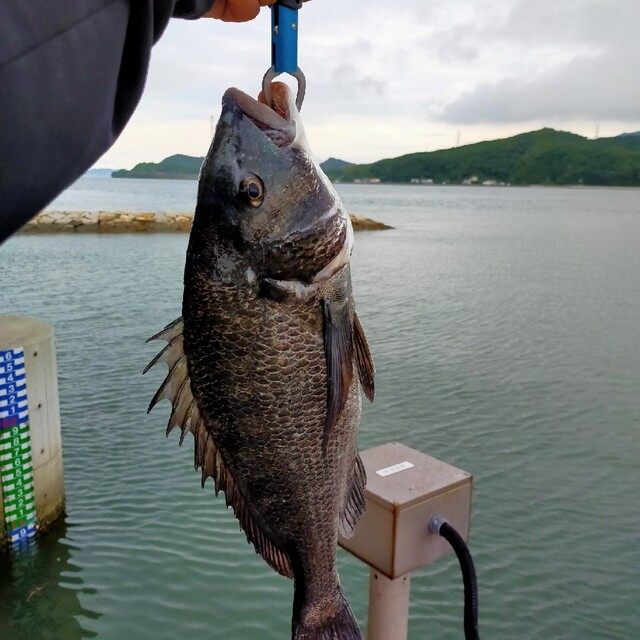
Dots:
(334, 164)
(546, 157)
(188, 168)
(177, 167)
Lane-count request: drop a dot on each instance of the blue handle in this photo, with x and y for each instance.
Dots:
(284, 39)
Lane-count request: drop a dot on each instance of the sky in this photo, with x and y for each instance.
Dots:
(385, 78)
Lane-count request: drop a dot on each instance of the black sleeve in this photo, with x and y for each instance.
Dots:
(71, 75)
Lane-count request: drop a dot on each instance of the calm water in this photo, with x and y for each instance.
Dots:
(505, 325)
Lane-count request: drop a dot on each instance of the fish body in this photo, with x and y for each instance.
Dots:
(267, 363)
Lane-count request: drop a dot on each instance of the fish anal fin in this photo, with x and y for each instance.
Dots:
(364, 361)
(338, 349)
(355, 502)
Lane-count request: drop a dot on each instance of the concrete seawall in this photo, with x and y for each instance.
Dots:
(134, 222)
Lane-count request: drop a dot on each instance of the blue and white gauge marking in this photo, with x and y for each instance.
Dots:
(16, 464)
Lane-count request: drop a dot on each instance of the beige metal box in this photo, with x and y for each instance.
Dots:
(405, 489)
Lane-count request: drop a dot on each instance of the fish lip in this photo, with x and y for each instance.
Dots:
(280, 130)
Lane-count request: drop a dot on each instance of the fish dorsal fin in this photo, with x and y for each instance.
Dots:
(208, 458)
(187, 415)
(364, 361)
(354, 504)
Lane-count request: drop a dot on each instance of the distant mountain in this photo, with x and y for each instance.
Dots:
(334, 164)
(99, 173)
(188, 167)
(547, 157)
(177, 167)
(627, 140)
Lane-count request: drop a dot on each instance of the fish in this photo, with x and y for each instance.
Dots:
(269, 361)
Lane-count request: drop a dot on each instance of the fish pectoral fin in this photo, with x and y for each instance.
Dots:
(355, 502)
(364, 361)
(186, 414)
(338, 349)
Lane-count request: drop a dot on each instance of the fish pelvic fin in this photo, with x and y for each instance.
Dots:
(331, 620)
(186, 414)
(355, 502)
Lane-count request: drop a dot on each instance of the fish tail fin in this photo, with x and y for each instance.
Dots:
(315, 623)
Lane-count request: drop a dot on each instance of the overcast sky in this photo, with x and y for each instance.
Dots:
(387, 77)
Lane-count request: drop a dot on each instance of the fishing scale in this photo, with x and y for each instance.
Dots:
(284, 48)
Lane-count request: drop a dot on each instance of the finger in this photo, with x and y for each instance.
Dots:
(234, 10)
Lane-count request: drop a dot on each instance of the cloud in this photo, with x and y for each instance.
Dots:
(354, 84)
(383, 76)
(602, 88)
(564, 61)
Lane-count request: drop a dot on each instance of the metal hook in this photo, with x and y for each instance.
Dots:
(269, 77)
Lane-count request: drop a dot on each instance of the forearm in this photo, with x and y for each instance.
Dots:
(71, 75)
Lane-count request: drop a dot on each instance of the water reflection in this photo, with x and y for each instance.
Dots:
(40, 590)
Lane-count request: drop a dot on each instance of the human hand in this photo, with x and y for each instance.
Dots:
(236, 10)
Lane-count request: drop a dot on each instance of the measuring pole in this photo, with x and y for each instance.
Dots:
(16, 464)
(31, 474)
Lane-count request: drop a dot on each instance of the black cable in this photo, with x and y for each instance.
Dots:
(442, 527)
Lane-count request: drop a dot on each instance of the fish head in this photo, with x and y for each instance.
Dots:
(262, 193)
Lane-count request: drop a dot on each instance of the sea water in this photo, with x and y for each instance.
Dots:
(505, 326)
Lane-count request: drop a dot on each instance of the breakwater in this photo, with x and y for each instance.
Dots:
(135, 222)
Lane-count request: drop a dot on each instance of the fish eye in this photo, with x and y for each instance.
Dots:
(252, 191)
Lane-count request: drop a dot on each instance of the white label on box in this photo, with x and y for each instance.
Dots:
(396, 468)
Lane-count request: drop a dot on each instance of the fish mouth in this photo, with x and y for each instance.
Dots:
(280, 124)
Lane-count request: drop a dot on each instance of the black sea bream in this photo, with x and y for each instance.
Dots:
(268, 361)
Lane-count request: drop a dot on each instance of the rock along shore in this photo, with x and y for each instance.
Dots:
(134, 222)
